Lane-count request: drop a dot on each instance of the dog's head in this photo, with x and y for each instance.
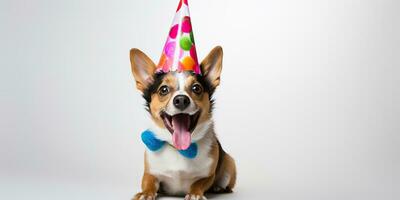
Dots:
(179, 102)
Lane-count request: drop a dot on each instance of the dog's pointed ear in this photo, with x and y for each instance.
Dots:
(143, 69)
(211, 66)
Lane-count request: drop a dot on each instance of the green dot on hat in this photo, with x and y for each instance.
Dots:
(185, 43)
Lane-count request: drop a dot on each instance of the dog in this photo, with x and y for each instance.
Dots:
(180, 105)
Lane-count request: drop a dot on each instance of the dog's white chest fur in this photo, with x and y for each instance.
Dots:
(175, 172)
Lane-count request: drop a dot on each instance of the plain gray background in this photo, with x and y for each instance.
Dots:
(308, 106)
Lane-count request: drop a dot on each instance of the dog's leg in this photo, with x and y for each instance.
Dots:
(150, 186)
(198, 188)
(226, 176)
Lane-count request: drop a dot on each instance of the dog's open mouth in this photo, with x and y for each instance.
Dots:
(181, 127)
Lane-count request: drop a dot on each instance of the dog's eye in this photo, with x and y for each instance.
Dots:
(164, 90)
(197, 89)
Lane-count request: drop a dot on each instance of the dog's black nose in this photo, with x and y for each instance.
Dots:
(181, 102)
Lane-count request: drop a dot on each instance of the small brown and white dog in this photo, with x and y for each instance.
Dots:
(180, 105)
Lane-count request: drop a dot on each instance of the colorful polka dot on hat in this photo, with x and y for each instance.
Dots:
(179, 53)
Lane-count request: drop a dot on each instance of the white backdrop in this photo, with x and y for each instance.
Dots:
(308, 106)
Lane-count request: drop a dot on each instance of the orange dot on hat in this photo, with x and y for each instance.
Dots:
(163, 59)
(188, 63)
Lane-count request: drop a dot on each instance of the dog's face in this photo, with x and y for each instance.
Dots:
(179, 102)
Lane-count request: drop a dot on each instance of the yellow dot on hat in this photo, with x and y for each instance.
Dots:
(185, 43)
(188, 63)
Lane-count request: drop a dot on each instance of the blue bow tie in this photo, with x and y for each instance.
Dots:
(155, 144)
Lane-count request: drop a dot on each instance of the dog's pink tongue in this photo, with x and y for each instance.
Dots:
(181, 136)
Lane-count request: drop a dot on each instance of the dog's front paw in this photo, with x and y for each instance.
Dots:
(144, 196)
(195, 197)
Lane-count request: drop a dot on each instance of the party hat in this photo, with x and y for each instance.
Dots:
(179, 53)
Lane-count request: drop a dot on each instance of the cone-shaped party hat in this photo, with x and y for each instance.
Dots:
(179, 53)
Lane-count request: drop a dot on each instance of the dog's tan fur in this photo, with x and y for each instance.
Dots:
(221, 167)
